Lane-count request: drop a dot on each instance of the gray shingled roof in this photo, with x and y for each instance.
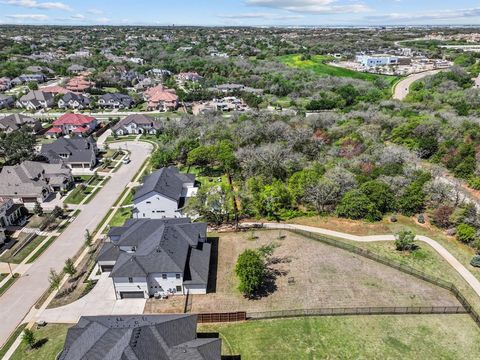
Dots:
(138, 119)
(30, 178)
(37, 95)
(79, 150)
(76, 97)
(166, 181)
(138, 337)
(15, 121)
(162, 245)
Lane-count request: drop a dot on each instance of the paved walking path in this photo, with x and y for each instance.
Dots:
(23, 294)
(462, 270)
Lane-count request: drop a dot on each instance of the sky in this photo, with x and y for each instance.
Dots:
(240, 12)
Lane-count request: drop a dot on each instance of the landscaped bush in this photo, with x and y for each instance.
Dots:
(466, 233)
(405, 241)
(475, 261)
(251, 271)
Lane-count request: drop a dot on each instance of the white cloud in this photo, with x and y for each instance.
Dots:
(77, 17)
(311, 6)
(35, 17)
(263, 16)
(102, 20)
(441, 15)
(34, 4)
(95, 11)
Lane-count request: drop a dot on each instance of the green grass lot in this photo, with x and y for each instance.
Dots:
(318, 65)
(353, 337)
(41, 250)
(17, 259)
(77, 195)
(11, 339)
(120, 217)
(53, 336)
(8, 283)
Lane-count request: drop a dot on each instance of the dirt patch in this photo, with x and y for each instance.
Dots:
(308, 275)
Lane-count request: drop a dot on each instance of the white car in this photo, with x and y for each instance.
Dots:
(126, 160)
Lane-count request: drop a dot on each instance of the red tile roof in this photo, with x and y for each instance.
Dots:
(54, 130)
(55, 90)
(73, 119)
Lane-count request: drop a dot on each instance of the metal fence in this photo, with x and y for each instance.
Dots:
(357, 311)
(396, 265)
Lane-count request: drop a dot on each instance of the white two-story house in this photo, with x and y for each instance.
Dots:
(163, 194)
(146, 257)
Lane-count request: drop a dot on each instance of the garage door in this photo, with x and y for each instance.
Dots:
(107, 268)
(131, 295)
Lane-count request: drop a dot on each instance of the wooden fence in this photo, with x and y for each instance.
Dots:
(221, 317)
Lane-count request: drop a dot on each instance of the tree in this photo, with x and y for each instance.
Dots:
(356, 205)
(405, 241)
(251, 271)
(69, 267)
(32, 85)
(441, 217)
(321, 194)
(57, 212)
(210, 203)
(55, 279)
(88, 238)
(37, 209)
(17, 146)
(29, 338)
(380, 194)
(466, 233)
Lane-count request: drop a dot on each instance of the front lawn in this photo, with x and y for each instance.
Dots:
(50, 341)
(27, 250)
(122, 215)
(352, 337)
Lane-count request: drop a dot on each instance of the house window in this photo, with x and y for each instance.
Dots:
(130, 280)
(149, 202)
(179, 288)
(164, 276)
(177, 276)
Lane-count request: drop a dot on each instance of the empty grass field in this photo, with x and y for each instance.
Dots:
(318, 64)
(353, 337)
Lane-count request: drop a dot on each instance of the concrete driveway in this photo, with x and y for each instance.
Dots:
(17, 301)
(100, 301)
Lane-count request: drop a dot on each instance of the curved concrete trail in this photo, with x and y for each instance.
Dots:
(16, 302)
(402, 88)
(457, 265)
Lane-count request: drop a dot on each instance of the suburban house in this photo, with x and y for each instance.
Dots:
(146, 257)
(5, 83)
(6, 101)
(33, 181)
(76, 69)
(139, 337)
(26, 78)
(79, 84)
(163, 194)
(137, 124)
(35, 100)
(159, 74)
(115, 101)
(76, 152)
(14, 122)
(188, 76)
(74, 101)
(10, 212)
(161, 98)
(55, 90)
(73, 124)
(39, 69)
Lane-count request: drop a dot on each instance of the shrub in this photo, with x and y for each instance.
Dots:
(251, 271)
(356, 205)
(466, 233)
(405, 241)
(441, 216)
(29, 338)
(475, 261)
